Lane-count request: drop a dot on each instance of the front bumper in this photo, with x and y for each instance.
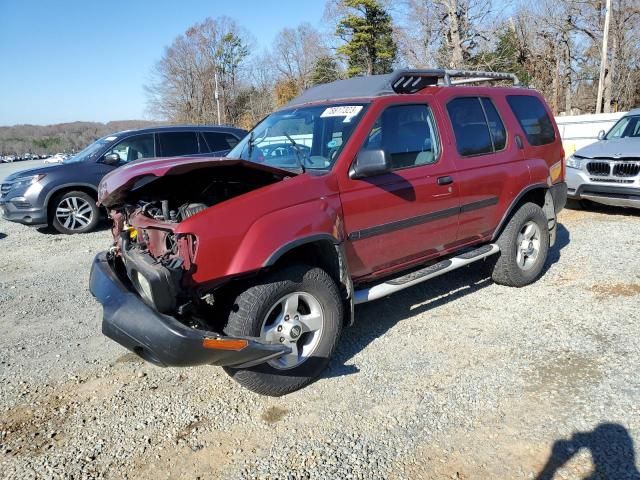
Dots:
(162, 339)
(582, 187)
(19, 210)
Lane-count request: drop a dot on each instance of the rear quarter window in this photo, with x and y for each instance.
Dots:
(533, 118)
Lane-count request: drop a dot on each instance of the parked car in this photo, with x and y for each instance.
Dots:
(57, 158)
(255, 261)
(64, 195)
(608, 171)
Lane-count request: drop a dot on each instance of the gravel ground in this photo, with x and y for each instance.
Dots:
(456, 378)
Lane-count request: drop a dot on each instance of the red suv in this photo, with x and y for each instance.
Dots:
(354, 190)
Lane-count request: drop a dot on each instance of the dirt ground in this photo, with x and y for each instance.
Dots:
(454, 378)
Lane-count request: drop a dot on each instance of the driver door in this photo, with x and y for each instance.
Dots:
(410, 213)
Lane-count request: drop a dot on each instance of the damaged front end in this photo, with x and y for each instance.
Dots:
(156, 261)
(144, 281)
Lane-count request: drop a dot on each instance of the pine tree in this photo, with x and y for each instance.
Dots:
(325, 70)
(367, 31)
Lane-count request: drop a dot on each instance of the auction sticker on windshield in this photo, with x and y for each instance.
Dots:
(347, 111)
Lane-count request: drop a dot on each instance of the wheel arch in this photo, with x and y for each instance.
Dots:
(323, 251)
(87, 188)
(536, 193)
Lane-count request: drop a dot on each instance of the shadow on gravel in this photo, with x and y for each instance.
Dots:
(49, 230)
(374, 319)
(588, 206)
(3, 235)
(611, 449)
(563, 238)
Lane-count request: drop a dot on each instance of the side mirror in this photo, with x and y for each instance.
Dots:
(370, 163)
(111, 159)
(601, 135)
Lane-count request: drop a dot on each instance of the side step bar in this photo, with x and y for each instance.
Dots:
(410, 279)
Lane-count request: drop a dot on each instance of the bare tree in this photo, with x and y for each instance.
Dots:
(296, 51)
(183, 85)
(443, 32)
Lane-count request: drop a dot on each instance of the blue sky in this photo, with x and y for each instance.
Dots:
(69, 60)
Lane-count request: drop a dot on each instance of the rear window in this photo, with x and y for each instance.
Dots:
(469, 126)
(173, 144)
(533, 119)
(496, 127)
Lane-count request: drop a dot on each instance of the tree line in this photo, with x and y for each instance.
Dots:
(61, 137)
(552, 45)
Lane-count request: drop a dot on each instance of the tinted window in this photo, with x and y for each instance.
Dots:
(533, 119)
(218, 141)
(470, 126)
(178, 143)
(407, 134)
(134, 148)
(496, 127)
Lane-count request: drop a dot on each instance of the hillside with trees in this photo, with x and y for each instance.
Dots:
(61, 137)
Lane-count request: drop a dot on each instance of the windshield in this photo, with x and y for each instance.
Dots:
(304, 138)
(628, 126)
(92, 151)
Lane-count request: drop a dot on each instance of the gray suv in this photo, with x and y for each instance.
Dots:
(64, 195)
(608, 171)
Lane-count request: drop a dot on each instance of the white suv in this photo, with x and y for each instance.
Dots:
(608, 171)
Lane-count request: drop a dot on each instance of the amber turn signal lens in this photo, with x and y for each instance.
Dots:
(224, 343)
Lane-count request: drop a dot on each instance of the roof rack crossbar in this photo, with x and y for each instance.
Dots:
(404, 81)
(411, 81)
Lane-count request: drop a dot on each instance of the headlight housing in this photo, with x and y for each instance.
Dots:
(25, 182)
(574, 162)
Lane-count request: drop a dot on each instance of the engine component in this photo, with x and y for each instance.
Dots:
(189, 209)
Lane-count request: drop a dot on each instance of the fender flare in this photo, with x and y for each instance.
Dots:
(513, 204)
(287, 247)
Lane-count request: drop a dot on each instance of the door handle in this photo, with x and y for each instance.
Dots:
(445, 180)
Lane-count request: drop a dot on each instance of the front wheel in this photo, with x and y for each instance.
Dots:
(524, 245)
(74, 212)
(298, 306)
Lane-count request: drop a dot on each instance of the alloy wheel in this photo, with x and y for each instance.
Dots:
(528, 245)
(74, 213)
(297, 321)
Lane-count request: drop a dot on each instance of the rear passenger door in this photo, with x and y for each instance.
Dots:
(489, 164)
(400, 217)
(217, 143)
(177, 144)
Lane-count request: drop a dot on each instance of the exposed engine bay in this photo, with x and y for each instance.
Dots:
(174, 198)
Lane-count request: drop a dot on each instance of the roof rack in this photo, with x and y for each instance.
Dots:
(412, 81)
(400, 81)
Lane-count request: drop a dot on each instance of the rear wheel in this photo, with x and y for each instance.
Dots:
(524, 245)
(298, 306)
(74, 212)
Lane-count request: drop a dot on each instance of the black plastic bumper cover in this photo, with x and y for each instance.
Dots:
(161, 339)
